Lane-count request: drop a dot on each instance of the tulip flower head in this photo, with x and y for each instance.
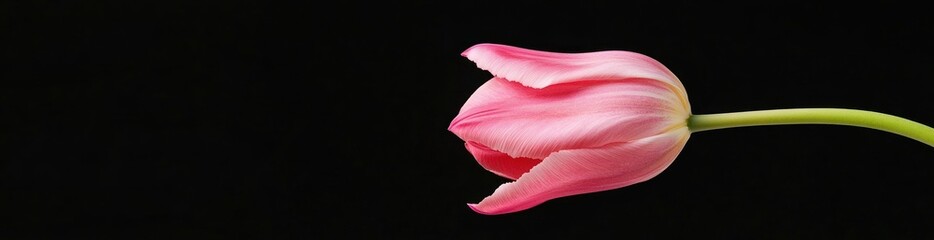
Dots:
(562, 124)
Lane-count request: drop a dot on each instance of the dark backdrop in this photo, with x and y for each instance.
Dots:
(256, 120)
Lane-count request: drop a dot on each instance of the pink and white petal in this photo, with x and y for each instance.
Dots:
(580, 171)
(539, 69)
(533, 123)
(500, 163)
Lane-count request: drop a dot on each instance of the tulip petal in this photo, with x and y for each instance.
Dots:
(534, 123)
(500, 163)
(572, 172)
(539, 69)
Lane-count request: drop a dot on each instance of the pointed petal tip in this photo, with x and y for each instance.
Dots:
(455, 123)
(471, 48)
(453, 127)
(473, 206)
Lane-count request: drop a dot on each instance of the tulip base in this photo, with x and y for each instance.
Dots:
(833, 116)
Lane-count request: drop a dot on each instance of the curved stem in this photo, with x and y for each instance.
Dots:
(834, 116)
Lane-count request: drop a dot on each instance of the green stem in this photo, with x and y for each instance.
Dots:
(834, 116)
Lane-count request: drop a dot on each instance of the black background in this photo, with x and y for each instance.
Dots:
(260, 120)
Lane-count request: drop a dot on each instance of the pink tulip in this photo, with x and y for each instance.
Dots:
(563, 124)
